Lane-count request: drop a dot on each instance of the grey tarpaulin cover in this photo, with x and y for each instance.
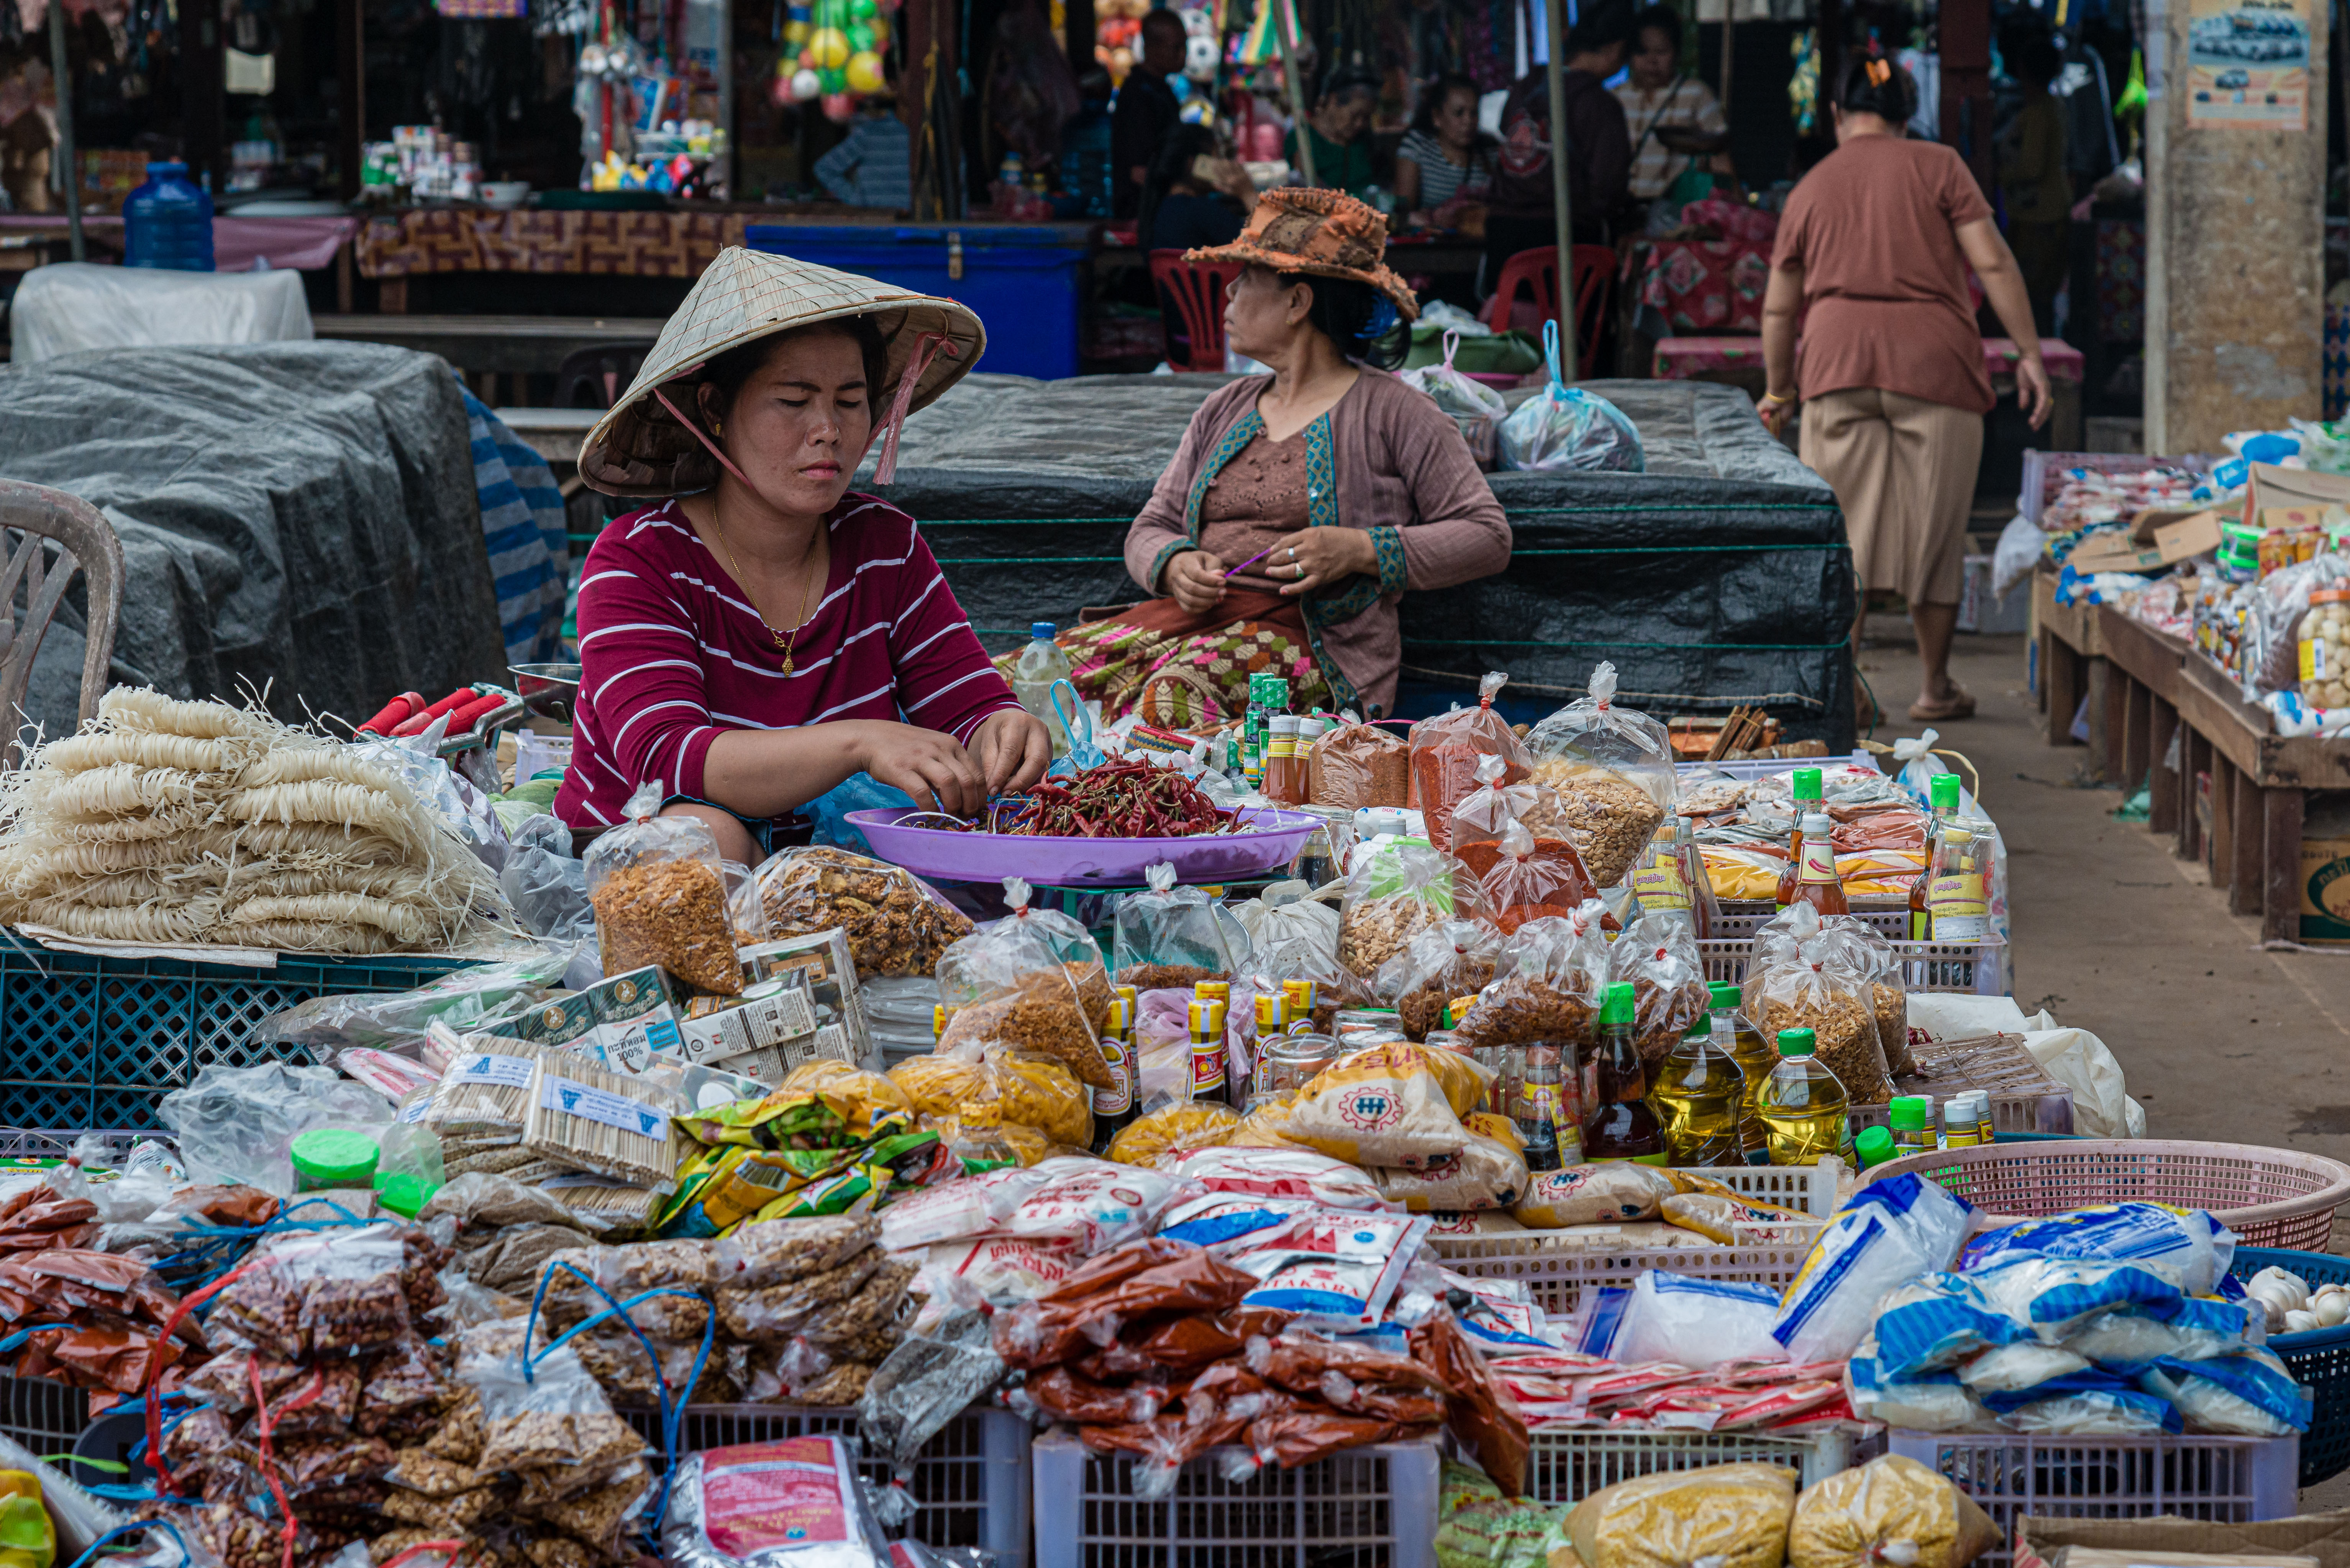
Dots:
(1721, 575)
(301, 515)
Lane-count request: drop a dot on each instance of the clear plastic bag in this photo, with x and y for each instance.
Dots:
(1356, 765)
(1393, 894)
(1453, 390)
(546, 883)
(1446, 750)
(1169, 935)
(794, 1504)
(1549, 978)
(658, 887)
(467, 999)
(1454, 958)
(897, 924)
(553, 1415)
(1524, 878)
(1492, 805)
(1588, 753)
(1658, 957)
(235, 1124)
(1891, 1510)
(1567, 427)
(1836, 1005)
(1032, 980)
(926, 1382)
(1869, 955)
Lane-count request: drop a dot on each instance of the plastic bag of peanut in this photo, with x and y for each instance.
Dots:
(1033, 980)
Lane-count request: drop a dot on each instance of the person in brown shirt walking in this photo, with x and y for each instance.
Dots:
(1875, 245)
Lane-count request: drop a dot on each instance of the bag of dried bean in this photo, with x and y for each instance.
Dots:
(658, 887)
(1446, 750)
(1033, 981)
(1657, 956)
(1612, 769)
(1549, 977)
(1168, 937)
(1392, 895)
(1453, 957)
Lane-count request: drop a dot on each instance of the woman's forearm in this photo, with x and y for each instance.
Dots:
(766, 772)
(1406, 190)
(1986, 251)
(1783, 299)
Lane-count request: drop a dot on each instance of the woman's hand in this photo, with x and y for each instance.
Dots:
(1317, 556)
(931, 767)
(2034, 395)
(1195, 580)
(1013, 749)
(1774, 408)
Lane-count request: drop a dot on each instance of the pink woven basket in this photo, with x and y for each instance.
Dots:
(2268, 1197)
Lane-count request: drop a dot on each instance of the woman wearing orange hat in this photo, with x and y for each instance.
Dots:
(1298, 508)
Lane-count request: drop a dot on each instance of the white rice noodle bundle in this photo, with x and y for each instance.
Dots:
(177, 823)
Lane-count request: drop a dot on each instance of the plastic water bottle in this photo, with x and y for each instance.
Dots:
(1040, 664)
(168, 222)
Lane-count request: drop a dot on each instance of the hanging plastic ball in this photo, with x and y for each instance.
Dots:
(830, 47)
(880, 25)
(839, 108)
(836, 81)
(806, 87)
(860, 39)
(864, 73)
(806, 59)
(795, 33)
(862, 10)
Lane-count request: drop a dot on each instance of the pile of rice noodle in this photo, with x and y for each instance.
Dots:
(169, 823)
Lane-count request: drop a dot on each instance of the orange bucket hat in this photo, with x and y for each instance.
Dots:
(1321, 233)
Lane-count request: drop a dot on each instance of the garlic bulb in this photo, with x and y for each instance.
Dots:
(2299, 1322)
(2293, 1289)
(2331, 1305)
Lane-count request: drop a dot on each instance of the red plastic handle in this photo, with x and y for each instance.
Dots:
(472, 713)
(449, 704)
(396, 711)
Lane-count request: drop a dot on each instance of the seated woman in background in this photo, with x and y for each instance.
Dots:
(1337, 131)
(1300, 505)
(758, 635)
(1444, 156)
(1195, 196)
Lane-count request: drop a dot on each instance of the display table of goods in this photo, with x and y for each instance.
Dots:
(1533, 1126)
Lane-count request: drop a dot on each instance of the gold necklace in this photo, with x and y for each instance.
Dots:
(783, 641)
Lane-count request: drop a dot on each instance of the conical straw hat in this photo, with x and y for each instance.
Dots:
(640, 450)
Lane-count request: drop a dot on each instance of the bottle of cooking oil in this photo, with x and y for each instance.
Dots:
(1804, 1107)
(1733, 1033)
(1618, 1124)
(1700, 1093)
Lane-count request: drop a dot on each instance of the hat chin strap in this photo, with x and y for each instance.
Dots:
(926, 349)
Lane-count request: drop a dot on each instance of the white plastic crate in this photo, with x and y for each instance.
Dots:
(971, 1485)
(56, 1143)
(1971, 967)
(1760, 767)
(44, 1415)
(1567, 1464)
(1373, 1507)
(1556, 1272)
(2226, 1478)
(1739, 920)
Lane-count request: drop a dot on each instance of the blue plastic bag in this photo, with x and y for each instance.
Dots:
(858, 791)
(1567, 427)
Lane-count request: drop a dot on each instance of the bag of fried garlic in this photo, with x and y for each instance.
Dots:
(1892, 1510)
(1611, 770)
(1548, 980)
(1032, 980)
(1722, 1516)
(1168, 938)
(1658, 957)
(1451, 958)
(659, 888)
(897, 923)
(1817, 991)
(1392, 895)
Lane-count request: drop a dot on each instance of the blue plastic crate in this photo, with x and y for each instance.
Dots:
(2319, 1360)
(95, 1042)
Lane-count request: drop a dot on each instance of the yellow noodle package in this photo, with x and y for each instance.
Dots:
(844, 1081)
(1195, 1124)
(1615, 1190)
(1890, 1509)
(1724, 1516)
(1267, 1126)
(937, 1085)
(1031, 1092)
(1396, 1105)
(1716, 1216)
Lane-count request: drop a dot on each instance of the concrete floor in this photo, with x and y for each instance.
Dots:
(2220, 1040)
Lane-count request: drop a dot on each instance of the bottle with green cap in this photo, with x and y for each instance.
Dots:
(1804, 785)
(1735, 1033)
(327, 1158)
(1699, 1095)
(1912, 1120)
(1942, 790)
(1874, 1146)
(1804, 1107)
(1617, 1123)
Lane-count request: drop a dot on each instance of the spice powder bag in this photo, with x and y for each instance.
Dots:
(1356, 765)
(1446, 750)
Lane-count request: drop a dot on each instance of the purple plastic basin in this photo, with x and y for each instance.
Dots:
(1269, 840)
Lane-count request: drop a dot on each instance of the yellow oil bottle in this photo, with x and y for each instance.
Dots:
(1803, 1107)
(1733, 1033)
(1699, 1095)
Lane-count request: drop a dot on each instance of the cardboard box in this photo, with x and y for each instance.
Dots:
(636, 1016)
(2325, 891)
(557, 1022)
(2166, 544)
(2271, 486)
(769, 1015)
(2323, 1537)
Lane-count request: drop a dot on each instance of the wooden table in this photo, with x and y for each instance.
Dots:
(2234, 797)
(487, 346)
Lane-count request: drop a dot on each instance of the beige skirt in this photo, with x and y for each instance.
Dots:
(1903, 469)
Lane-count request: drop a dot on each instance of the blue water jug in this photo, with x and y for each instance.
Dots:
(168, 222)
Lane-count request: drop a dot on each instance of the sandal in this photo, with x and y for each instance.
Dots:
(1959, 705)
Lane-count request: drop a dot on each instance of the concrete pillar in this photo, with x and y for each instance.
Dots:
(2235, 219)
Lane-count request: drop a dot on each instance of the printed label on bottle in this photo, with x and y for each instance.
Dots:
(2312, 660)
(1207, 1067)
(1957, 907)
(1114, 1100)
(1819, 862)
(1661, 887)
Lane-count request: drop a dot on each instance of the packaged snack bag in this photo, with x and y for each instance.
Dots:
(660, 893)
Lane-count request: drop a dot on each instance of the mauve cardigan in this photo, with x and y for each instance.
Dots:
(1402, 465)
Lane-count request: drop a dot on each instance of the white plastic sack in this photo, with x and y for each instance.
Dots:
(1696, 1323)
(2016, 555)
(77, 306)
(2087, 1065)
(1886, 1234)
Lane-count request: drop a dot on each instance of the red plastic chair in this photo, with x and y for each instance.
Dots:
(1537, 269)
(1196, 290)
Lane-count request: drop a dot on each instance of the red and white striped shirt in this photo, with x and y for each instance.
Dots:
(672, 656)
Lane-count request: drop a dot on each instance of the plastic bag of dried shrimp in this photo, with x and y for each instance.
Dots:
(658, 887)
(1548, 981)
(1168, 937)
(1657, 956)
(1455, 958)
(1032, 980)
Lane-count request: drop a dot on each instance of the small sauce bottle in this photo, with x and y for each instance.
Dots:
(1816, 883)
(1874, 1146)
(1909, 1116)
(1804, 785)
(1115, 1106)
(1958, 1124)
(1208, 1076)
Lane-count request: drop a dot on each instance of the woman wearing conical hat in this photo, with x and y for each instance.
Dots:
(758, 634)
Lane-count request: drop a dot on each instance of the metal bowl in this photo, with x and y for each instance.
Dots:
(547, 689)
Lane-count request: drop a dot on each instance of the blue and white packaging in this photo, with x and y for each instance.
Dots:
(1932, 1402)
(2015, 1369)
(2080, 1380)
(2056, 1295)
(1696, 1323)
(2103, 1413)
(1219, 1217)
(1597, 1318)
(2185, 1244)
(1884, 1235)
(2199, 1328)
(2249, 1394)
(1933, 1323)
